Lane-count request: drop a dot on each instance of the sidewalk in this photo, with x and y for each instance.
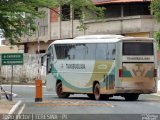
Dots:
(158, 87)
(6, 106)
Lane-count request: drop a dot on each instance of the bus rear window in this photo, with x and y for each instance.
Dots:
(137, 48)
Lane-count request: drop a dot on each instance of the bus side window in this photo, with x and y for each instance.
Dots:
(90, 51)
(102, 52)
(112, 51)
(69, 52)
(80, 51)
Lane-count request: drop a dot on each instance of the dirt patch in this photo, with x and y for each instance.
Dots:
(158, 92)
(6, 106)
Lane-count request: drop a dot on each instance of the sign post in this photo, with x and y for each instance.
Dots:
(38, 97)
(12, 59)
(11, 84)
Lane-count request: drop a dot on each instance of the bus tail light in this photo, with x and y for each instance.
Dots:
(120, 73)
(155, 73)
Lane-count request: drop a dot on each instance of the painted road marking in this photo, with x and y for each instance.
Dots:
(56, 103)
(22, 108)
(15, 107)
(50, 94)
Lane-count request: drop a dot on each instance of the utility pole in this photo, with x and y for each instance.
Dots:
(72, 18)
(60, 20)
(38, 82)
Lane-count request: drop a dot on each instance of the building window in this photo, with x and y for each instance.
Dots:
(25, 48)
(77, 14)
(112, 11)
(136, 9)
(65, 10)
(126, 9)
(40, 51)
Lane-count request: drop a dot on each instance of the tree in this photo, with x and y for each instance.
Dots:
(88, 11)
(157, 37)
(17, 17)
(155, 8)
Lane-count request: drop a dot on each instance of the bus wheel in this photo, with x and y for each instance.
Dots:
(91, 96)
(96, 91)
(59, 91)
(131, 97)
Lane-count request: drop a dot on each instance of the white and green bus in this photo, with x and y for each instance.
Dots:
(102, 66)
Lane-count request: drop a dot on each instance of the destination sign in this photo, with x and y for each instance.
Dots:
(138, 58)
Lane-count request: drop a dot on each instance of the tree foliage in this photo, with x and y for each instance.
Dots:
(155, 8)
(17, 17)
(157, 37)
(89, 11)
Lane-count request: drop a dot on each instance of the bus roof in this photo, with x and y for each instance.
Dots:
(114, 38)
(99, 36)
(94, 40)
(98, 39)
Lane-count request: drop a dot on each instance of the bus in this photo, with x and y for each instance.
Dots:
(102, 66)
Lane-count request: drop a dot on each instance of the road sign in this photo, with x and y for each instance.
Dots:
(12, 59)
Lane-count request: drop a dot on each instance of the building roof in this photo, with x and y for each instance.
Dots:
(99, 2)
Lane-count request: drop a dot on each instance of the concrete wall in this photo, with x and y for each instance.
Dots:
(133, 24)
(26, 73)
(139, 34)
(125, 25)
(33, 46)
(63, 29)
(8, 49)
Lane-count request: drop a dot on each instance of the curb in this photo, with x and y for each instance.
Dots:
(156, 94)
(24, 85)
(14, 108)
(158, 85)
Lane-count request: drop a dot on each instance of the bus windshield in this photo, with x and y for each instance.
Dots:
(137, 48)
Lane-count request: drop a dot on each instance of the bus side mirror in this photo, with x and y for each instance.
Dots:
(48, 56)
(43, 59)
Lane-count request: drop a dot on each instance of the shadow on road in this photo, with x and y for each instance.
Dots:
(112, 99)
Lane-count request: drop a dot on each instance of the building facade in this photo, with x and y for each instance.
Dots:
(8, 49)
(125, 17)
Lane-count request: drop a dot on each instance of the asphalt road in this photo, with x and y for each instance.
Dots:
(82, 108)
